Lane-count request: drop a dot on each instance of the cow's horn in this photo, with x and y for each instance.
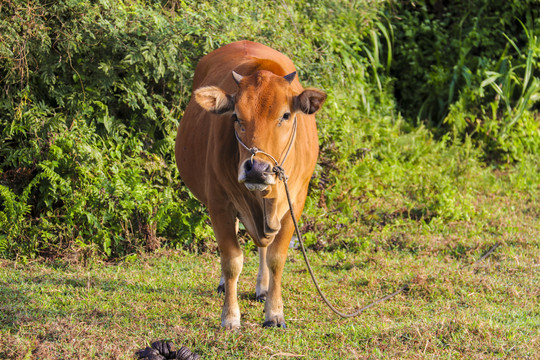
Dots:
(237, 77)
(290, 77)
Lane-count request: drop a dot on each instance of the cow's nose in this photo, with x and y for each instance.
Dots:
(256, 175)
(257, 171)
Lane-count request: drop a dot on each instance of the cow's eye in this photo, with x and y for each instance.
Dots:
(238, 122)
(285, 117)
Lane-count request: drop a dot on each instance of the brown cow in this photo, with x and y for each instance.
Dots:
(247, 96)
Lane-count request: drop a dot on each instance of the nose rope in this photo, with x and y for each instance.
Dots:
(278, 168)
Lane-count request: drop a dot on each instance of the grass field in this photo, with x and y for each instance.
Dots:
(456, 308)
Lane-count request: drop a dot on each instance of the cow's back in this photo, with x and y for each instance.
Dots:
(245, 57)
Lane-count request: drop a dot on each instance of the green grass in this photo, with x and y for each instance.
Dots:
(61, 309)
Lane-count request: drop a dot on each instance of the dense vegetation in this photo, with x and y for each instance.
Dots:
(429, 105)
(478, 65)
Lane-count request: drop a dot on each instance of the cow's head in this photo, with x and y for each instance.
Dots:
(263, 110)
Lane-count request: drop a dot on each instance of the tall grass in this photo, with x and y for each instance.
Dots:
(504, 122)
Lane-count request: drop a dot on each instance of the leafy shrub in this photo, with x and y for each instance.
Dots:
(92, 93)
(472, 65)
(91, 101)
(504, 125)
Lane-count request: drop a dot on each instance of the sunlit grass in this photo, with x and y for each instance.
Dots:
(57, 309)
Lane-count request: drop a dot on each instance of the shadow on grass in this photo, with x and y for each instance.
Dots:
(41, 298)
(14, 306)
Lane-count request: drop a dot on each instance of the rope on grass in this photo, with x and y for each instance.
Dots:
(487, 254)
(405, 288)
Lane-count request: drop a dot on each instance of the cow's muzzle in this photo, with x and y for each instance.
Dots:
(256, 175)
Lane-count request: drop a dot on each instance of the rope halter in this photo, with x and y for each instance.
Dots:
(278, 169)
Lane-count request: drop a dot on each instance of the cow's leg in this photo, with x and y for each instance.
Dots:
(263, 277)
(231, 265)
(221, 285)
(275, 259)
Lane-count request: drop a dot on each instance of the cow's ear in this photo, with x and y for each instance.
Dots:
(309, 101)
(215, 100)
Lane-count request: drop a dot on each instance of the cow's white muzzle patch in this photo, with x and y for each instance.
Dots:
(255, 187)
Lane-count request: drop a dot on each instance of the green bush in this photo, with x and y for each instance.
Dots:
(92, 93)
(470, 66)
(91, 101)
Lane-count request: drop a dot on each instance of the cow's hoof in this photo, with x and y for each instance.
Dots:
(271, 324)
(230, 326)
(221, 289)
(261, 297)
